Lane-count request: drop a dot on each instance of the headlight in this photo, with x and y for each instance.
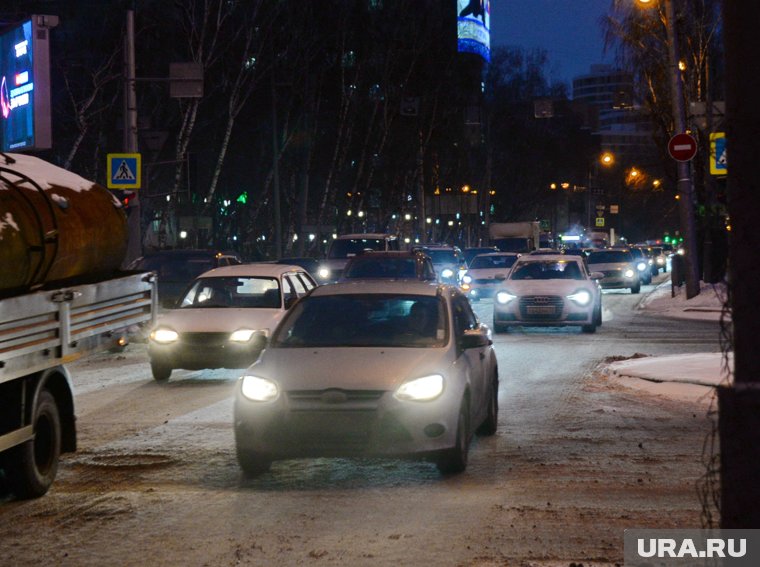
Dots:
(581, 297)
(660, 260)
(242, 335)
(164, 336)
(504, 297)
(447, 273)
(641, 266)
(466, 279)
(628, 273)
(421, 389)
(324, 273)
(258, 389)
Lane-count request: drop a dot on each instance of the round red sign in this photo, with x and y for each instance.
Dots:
(682, 147)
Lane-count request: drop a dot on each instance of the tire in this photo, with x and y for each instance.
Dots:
(161, 372)
(499, 328)
(488, 427)
(252, 464)
(32, 466)
(588, 328)
(454, 460)
(598, 317)
(636, 289)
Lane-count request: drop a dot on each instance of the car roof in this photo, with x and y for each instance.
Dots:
(549, 258)
(385, 286)
(360, 235)
(388, 254)
(253, 269)
(515, 254)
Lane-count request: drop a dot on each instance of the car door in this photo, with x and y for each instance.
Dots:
(474, 358)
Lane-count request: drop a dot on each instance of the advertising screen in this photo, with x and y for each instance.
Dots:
(474, 27)
(24, 88)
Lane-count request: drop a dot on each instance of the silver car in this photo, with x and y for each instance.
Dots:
(387, 368)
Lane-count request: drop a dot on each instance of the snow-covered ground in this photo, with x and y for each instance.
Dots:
(683, 376)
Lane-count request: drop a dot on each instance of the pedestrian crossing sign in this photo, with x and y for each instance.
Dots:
(124, 171)
(718, 156)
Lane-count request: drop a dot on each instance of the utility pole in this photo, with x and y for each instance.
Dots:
(134, 243)
(276, 173)
(684, 184)
(739, 404)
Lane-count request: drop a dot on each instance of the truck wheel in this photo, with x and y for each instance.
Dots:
(161, 372)
(32, 466)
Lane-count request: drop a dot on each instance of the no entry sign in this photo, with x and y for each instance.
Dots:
(682, 147)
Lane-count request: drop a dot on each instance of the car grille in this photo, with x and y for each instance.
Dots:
(204, 339)
(333, 397)
(541, 307)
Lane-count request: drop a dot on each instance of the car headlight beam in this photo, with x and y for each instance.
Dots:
(323, 273)
(447, 273)
(421, 389)
(242, 335)
(504, 297)
(628, 273)
(258, 389)
(164, 335)
(581, 297)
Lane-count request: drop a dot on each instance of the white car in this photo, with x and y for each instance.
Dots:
(373, 368)
(486, 272)
(224, 317)
(549, 291)
(618, 268)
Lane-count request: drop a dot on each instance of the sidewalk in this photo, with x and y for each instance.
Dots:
(682, 376)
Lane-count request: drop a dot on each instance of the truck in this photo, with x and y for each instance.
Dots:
(63, 296)
(515, 236)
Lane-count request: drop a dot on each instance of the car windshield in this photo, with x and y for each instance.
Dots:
(239, 291)
(381, 268)
(492, 262)
(552, 270)
(609, 257)
(343, 248)
(364, 320)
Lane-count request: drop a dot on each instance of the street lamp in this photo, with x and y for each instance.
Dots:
(684, 188)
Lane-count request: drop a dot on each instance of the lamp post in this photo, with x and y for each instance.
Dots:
(683, 185)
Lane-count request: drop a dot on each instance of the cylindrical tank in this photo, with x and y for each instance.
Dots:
(55, 226)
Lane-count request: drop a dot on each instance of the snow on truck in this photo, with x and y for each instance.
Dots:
(62, 296)
(515, 236)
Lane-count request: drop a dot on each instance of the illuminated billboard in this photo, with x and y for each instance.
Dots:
(474, 27)
(25, 86)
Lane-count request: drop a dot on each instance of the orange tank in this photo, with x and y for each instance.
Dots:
(55, 226)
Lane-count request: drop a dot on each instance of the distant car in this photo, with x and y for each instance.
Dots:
(175, 269)
(448, 261)
(470, 253)
(370, 369)
(549, 291)
(660, 258)
(545, 252)
(223, 318)
(618, 267)
(390, 265)
(346, 246)
(486, 272)
(644, 263)
(311, 265)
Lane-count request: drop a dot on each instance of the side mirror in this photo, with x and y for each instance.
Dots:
(596, 275)
(474, 339)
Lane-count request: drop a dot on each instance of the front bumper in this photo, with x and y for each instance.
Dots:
(196, 351)
(342, 423)
(543, 310)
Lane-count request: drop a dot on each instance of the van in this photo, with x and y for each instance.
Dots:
(347, 246)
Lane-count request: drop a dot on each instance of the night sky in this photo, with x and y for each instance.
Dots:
(568, 29)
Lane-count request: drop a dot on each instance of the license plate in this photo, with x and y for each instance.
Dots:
(540, 309)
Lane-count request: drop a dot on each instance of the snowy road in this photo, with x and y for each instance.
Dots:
(577, 459)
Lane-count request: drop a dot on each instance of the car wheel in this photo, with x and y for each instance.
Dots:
(499, 328)
(598, 316)
(161, 372)
(488, 427)
(252, 464)
(636, 289)
(31, 467)
(454, 460)
(589, 328)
